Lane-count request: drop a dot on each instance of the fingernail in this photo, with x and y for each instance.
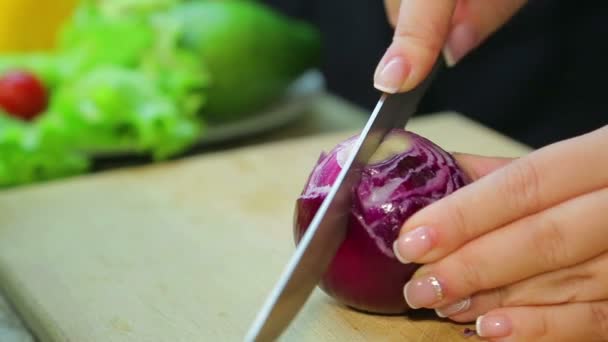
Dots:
(423, 292)
(493, 326)
(413, 245)
(462, 40)
(455, 308)
(391, 75)
(447, 56)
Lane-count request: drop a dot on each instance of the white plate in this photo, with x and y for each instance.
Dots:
(294, 103)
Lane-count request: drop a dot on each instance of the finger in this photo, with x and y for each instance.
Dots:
(559, 237)
(585, 282)
(523, 187)
(392, 11)
(478, 166)
(568, 322)
(475, 21)
(421, 31)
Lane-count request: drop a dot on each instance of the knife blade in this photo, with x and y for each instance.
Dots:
(327, 230)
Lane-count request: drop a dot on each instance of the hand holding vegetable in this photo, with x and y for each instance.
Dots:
(423, 28)
(523, 248)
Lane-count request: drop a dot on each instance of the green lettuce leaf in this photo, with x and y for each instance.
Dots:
(91, 39)
(116, 8)
(125, 84)
(26, 158)
(113, 108)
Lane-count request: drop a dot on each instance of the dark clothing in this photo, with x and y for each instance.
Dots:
(543, 77)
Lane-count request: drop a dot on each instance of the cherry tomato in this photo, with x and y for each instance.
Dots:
(22, 94)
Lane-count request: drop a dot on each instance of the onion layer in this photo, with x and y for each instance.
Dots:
(407, 173)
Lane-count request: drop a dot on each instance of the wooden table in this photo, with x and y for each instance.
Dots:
(188, 250)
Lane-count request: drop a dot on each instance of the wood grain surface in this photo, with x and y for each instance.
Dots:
(188, 250)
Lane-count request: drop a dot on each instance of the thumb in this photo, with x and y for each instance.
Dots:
(478, 166)
(421, 31)
(425, 27)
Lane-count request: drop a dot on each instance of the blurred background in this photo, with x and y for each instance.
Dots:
(87, 85)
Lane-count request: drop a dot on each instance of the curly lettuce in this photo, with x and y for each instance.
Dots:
(113, 108)
(116, 8)
(120, 82)
(137, 76)
(91, 39)
(26, 158)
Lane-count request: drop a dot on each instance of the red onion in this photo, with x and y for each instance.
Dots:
(407, 173)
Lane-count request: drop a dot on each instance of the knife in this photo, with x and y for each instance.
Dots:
(327, 230)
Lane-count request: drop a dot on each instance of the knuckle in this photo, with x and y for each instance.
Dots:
(503, 297)
(423, 35)
(575, 288)
(470, 274)
(543, 329)
(539, 327)
(550, 241)
(506, 297)
(460, 227)
(599, 317)
(522, 185)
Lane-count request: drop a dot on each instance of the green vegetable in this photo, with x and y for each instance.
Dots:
(136, 7)
(121, 83)
(251, 52)
(26, 158)
(177, 71)
(92, 39)
(114, 108)
(147, 76)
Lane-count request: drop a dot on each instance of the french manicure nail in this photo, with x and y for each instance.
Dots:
(447, 55)
(413, 245)
(392, 75)
(493, 326)
(423, 292)
(461, 40)
(455, 308)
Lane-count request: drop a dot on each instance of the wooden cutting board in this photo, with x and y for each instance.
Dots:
(188, 250)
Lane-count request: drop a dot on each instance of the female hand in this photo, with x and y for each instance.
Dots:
(524, 246)
(423, 28)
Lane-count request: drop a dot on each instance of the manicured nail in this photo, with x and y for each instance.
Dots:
(423, 292)
(413, 245)
(447, 56)
(461, 41)
(392, 74)
(455, 308)
(493, 326)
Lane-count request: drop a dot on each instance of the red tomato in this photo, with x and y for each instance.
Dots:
(22, 94)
